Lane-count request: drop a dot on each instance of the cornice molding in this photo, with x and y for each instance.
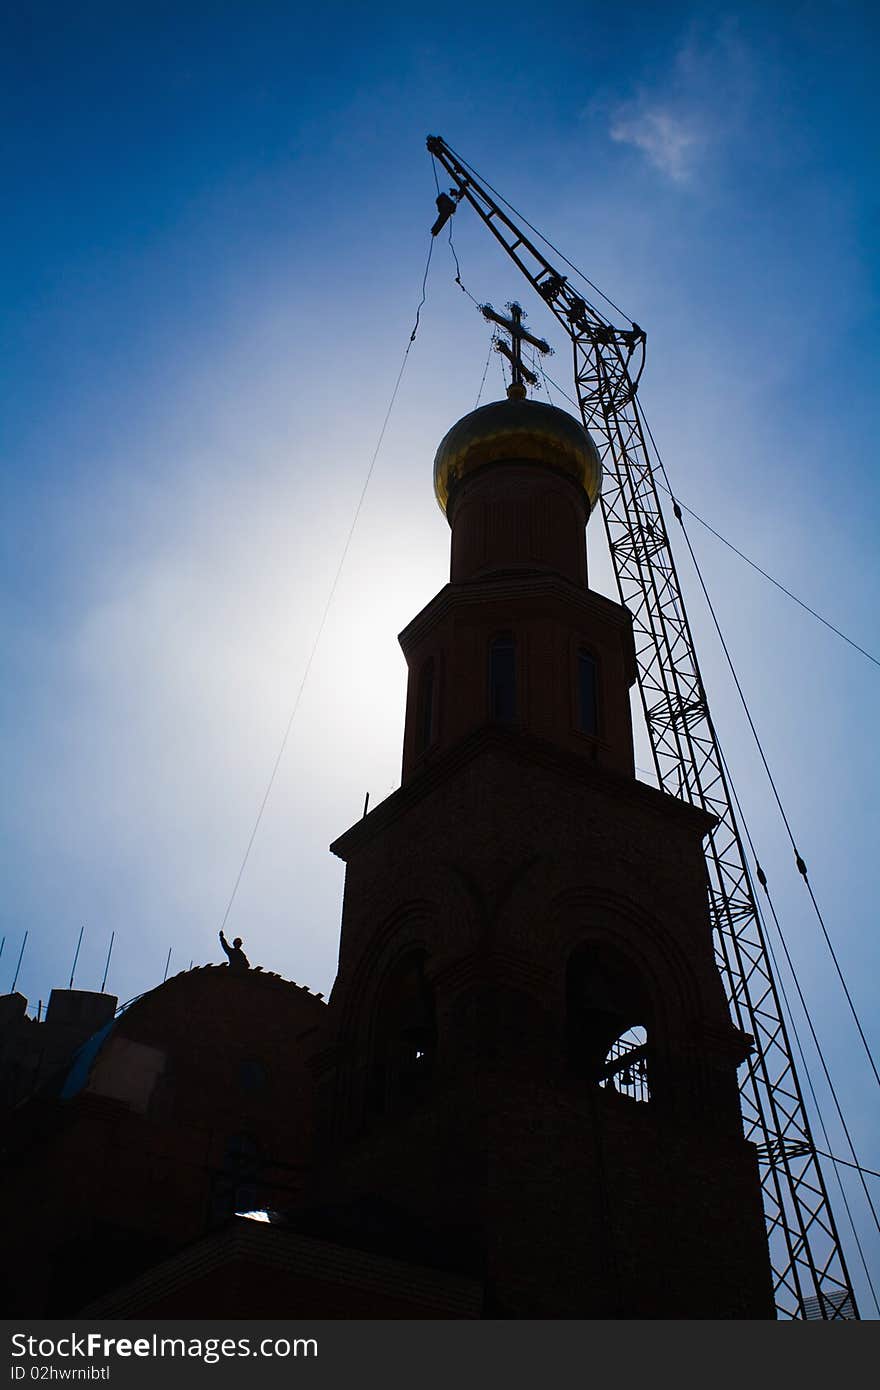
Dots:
(513, 586)
(526, 749)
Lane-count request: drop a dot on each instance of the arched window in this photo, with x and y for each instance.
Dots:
(404, 1038)
(588, 716)
(502, 678)
(607, 1017)
(425, 707)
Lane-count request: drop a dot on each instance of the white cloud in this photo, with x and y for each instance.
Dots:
(667, 140)
(703, 101)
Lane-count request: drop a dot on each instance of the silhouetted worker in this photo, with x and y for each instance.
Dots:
(238, 961)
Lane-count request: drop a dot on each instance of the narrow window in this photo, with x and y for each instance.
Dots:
(425, 708)
(405, 1039)
(502, 678)
(586, 679)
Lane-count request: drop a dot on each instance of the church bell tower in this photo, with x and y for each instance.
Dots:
(530, 1075)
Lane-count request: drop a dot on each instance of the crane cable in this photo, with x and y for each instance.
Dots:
(485, 371)
(763, 881)
(761, 876)
(537, 363)
(532, 228)
(333, 588)
(800, 863)
(717, 534)
(859, 1167)
(856, 1165)
(801, 866)
(862, 1171)
(763, 572)
(538, 366)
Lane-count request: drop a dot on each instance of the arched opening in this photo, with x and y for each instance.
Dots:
(607, 1022)
(587, 697)
(502, 678)
(404, 1038)
(425, 707)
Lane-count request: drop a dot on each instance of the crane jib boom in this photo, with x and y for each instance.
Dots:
(580, 319)
(809, 1270)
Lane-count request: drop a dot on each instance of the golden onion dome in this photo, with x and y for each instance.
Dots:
(521, 430)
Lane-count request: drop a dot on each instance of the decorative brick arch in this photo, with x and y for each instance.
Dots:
(589, 915)
(411, 927)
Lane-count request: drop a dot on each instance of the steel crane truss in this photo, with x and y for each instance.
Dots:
(809, 1271)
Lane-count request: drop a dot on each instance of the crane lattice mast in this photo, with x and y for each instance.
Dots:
(809, 1270)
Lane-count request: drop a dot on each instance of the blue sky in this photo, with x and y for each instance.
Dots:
(216, 225)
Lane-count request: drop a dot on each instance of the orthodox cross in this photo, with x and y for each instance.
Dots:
(518, 335)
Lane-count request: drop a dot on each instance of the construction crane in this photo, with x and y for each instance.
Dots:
(809, 1270)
